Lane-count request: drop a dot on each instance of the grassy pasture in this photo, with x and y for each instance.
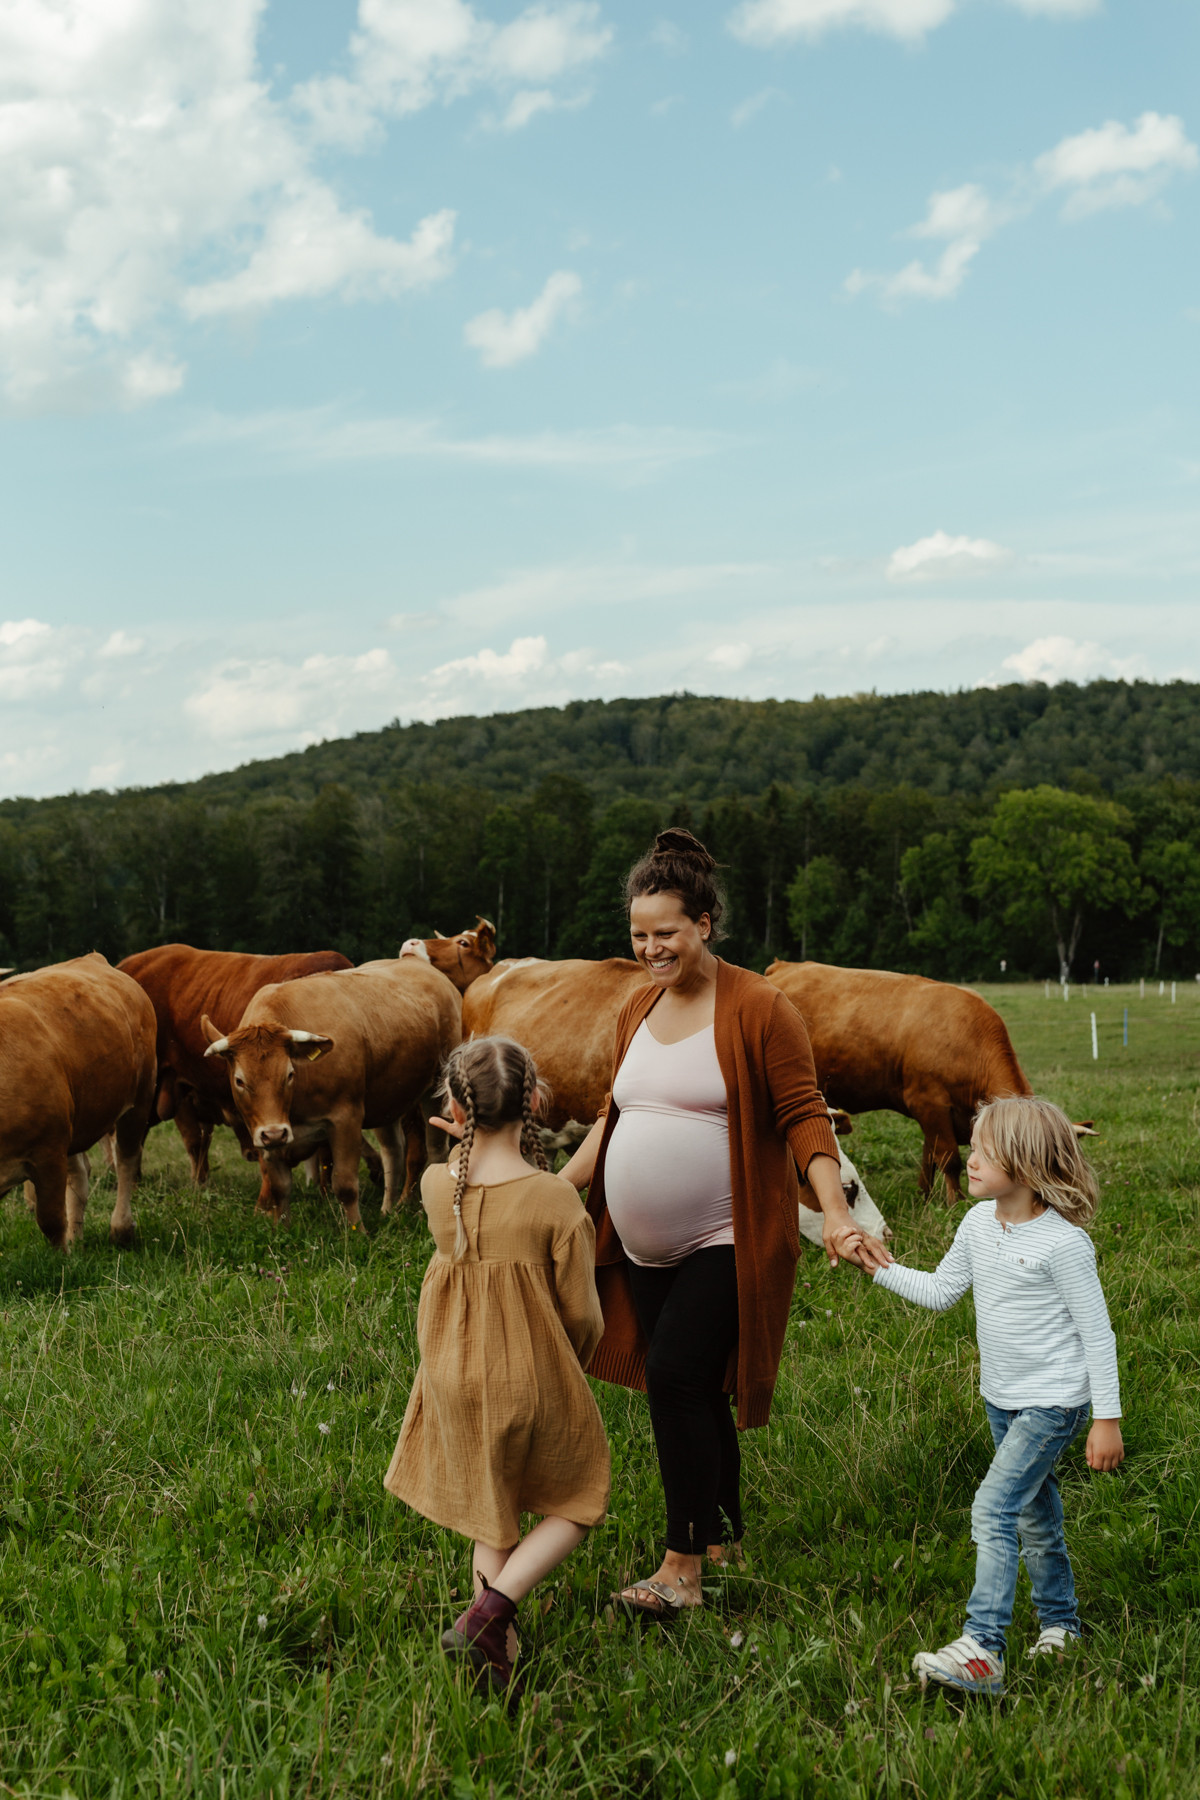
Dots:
(205, 1591)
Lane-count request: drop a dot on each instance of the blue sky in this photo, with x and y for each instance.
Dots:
(410, 357)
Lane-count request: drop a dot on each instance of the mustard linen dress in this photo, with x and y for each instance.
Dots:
(501, 1419)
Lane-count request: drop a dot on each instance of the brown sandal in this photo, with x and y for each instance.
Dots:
(665, 1605)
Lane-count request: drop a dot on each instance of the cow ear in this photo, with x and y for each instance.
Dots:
(485, 938)
(307, 1046)
(218, 1043)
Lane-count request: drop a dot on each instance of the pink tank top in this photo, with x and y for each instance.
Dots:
(666, 1174)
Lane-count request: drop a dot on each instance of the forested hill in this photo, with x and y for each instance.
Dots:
(947, 833)
(1100, 738)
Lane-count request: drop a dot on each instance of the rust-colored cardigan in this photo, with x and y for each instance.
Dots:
(775, 1108)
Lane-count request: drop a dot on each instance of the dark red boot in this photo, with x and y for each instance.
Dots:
(481, 1635)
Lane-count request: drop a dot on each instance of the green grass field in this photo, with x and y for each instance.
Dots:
(205, 1590)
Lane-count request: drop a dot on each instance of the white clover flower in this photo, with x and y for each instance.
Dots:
(329, 1387)
(736, 1641)
(323, 1428)
(386, 1759)
(730, 1758)
(262, 1621)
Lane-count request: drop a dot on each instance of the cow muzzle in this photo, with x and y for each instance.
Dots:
(272, 1137)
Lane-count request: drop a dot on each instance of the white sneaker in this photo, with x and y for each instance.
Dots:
(964, 1664)
(1053, 1641)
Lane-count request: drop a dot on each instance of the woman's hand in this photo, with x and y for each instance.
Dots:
(1105, 1447)
(582, 1166)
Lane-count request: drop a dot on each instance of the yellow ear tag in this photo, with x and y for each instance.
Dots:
(314, 1053)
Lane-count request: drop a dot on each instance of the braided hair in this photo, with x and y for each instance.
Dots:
(495, 1081)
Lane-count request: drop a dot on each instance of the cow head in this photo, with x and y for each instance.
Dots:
(461, 959)
(262, 1072)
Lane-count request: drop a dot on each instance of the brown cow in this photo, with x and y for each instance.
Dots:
(314, 1061)
(565, 1013)
(183, 984)
(76, 1062)
(463, 959)
(902, 1043)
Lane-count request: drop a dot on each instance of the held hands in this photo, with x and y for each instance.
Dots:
(1105, 1449)
(844, 1240)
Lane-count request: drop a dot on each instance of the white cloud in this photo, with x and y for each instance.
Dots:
(1052, 659)
(525, 656)
(1059, 9)
(669, 37)
(764, 23)
(121, 643)
(141, 146)
(1116, 166)
(311, 248)
(1112, 165)
(966, 218)
(729, 656)
(750, 108)
(409, 54)
(940, 556)
(311, 436)
(240, 699)
(584, 587)
(503, 339)
(34, 659)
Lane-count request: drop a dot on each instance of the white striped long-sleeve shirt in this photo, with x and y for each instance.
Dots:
(1043, 1329)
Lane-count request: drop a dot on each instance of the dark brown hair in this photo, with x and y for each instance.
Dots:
(679, 864)
(494, 1080)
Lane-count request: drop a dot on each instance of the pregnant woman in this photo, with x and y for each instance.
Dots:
(693, 1192)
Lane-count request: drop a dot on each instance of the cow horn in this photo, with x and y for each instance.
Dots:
(218, 1048)
(304, 1037)
(440, 934)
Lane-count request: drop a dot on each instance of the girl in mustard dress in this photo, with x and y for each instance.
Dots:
(501, 1419)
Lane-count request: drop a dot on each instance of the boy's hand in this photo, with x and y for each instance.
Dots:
(1105, 1450)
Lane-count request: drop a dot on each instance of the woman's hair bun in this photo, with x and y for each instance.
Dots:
(679, 864)
(676, 842)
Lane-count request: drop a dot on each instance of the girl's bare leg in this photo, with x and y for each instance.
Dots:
(518, 1570)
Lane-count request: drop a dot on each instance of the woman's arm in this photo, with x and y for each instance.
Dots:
(582, 1166)
(575, 1289)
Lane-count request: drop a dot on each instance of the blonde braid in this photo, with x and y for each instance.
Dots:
(531, 1139)
(464, 1158)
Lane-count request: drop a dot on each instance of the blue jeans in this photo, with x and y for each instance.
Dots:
(1019, 1494)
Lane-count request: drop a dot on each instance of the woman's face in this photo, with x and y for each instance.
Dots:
(672, 948)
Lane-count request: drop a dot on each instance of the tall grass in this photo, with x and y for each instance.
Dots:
(203, 1592)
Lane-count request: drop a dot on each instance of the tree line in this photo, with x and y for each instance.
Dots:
(1048, 879)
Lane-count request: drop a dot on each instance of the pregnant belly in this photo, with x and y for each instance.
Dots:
(666, 1182)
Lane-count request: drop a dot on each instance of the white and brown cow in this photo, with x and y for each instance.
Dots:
(314, 1061)
(462, 959)
(77, 1061)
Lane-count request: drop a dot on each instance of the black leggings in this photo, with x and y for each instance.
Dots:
(689, 1317)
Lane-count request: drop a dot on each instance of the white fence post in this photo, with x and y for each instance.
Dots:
(1095, 1041)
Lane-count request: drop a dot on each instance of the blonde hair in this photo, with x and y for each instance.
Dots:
(494, 1080)
(1035, 1143)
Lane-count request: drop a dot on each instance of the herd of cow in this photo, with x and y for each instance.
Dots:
(301, 1054)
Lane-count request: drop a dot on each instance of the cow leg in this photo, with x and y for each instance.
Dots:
(196, 1135)
(413, 1126)
(49, 1183)
(345, 1142)
(940, 1156)
(79, 1176)
(275, 1194)
(376, 1164)
(129, 1136)
(389, 1138)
